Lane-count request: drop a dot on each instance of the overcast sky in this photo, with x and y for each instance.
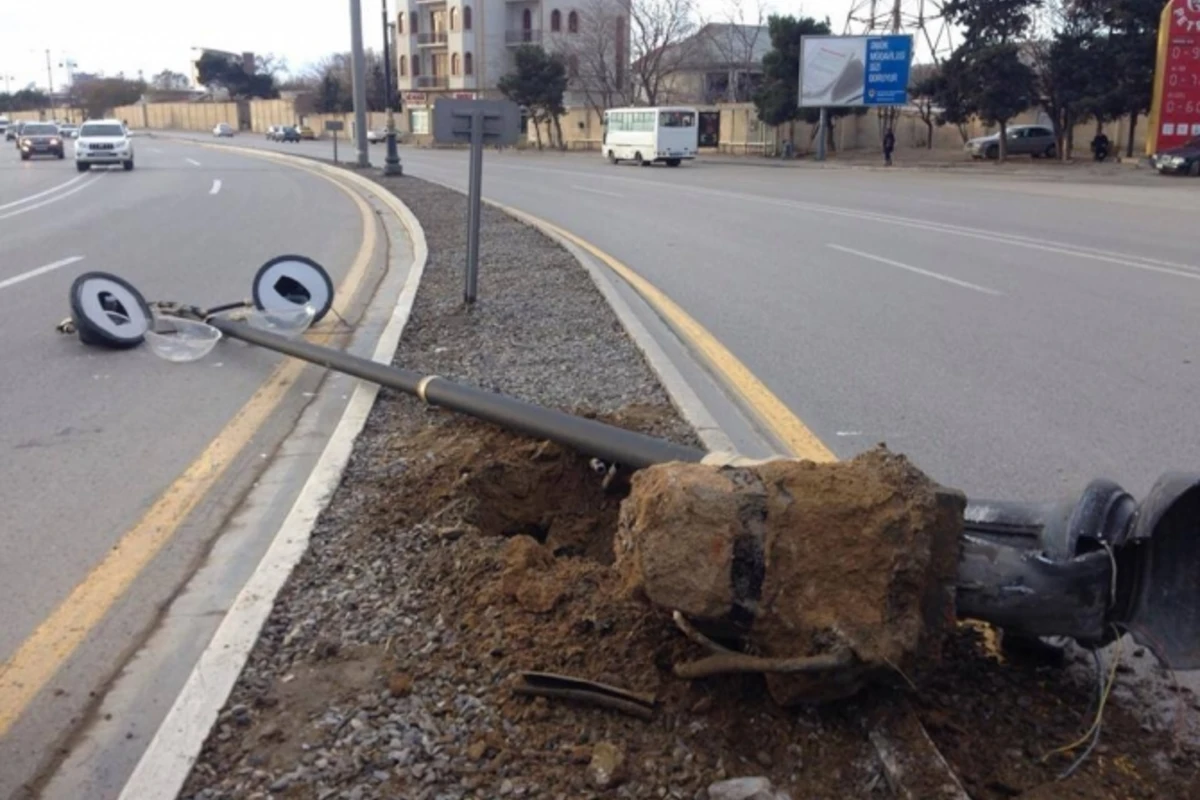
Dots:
(152, 35)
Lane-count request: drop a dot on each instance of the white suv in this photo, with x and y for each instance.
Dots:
(103, 141)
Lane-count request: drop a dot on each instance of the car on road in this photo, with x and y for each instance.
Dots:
(306, 132)
(1030, 140)
(4, 123)
(377, 135)
(103, 141)
(273, 132)
(40, 139)
(223, 129)
(68, 131)
(1182, 160)
(14, 131)
(287, 133)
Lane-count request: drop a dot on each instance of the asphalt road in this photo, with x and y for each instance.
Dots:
(92, 438)
(1015, 335)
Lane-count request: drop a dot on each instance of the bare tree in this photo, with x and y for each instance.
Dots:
(736, 37)
(598, 54)
(659, 30)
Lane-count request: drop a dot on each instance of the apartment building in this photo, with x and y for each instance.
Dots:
(462, 48)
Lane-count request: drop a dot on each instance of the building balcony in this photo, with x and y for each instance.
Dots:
(431, 2)
(520, 37)
(432, 39)
(432, 82)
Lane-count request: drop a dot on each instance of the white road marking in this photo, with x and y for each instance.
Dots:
(849, 433)
(935, 275)
(155, 150)
(596, 191)
(192, 161)
(51, 190)
(216, 187)
(33, 273)
(53, 199)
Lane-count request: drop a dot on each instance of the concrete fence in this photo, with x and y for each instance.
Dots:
(740, 131)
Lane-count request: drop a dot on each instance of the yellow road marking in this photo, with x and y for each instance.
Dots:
(753, 393)
(58, 636)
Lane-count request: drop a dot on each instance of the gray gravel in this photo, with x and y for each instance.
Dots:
(541, 332)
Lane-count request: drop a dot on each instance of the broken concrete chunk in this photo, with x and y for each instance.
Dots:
(800, 559)
(607, 767)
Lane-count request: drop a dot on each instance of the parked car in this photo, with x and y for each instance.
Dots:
(377, 135)
(1027, 140)
(223, 129)
(306, 132)
(287, 133)
(4, 123)
(13, 131)
(272, 131)
(68, 131)
(40, 139)
(103, 141)
(1182, 160)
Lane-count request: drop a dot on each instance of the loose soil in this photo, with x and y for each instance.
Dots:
(507, 540)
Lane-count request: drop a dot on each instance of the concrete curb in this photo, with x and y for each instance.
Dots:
(167, 761)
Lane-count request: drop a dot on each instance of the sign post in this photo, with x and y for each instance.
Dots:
(860, 71)
(333, 126)
(1175, 109)
(478, 122)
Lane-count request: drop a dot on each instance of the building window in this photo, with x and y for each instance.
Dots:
(555, 21)
(466, 18)
(527, 20)
(454, 64)
(400, 22)
(416, 65)
(573, 65)
(573, 22)
(468, 64)
(453, 18)
(403, 66)
(415, 24)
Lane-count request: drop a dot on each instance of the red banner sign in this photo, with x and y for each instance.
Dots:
(1176, 113)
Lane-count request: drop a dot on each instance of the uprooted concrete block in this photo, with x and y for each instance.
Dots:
(800, 559)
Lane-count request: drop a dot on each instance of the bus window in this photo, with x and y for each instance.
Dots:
(677, 119)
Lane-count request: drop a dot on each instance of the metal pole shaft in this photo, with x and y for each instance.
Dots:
(822, 134)
(612, 444)
(391, 163)
(474, 209)
(359, 81)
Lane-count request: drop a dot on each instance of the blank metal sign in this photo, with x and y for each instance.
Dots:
(452, 120)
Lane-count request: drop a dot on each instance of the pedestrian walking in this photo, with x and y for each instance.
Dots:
(889, 144)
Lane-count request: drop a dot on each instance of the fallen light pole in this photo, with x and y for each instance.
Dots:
(1089, 568)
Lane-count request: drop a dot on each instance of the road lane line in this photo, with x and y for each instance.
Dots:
(54, 199)
(33, 273)
(928, 274)
(596, 191)
(57, 637)
(192, 161)
(51, 190)
(216, 187)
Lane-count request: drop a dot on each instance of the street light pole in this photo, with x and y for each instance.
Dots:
(50, 82)
(359, 82)
(391, 165)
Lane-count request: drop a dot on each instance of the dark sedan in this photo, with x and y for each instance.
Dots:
(1182, 160)
(287, 134)
(40, 139)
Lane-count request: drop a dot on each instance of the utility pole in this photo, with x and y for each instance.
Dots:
(391, 165)
(359, 82)
(50, 81)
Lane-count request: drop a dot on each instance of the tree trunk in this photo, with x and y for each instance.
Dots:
(1132, 129)
(562, 145)
(929, 135)
(537, 128)
(1070, 143)
(1003, 144)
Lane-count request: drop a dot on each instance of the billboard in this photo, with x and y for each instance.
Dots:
(1175, 112)
(854, 70)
